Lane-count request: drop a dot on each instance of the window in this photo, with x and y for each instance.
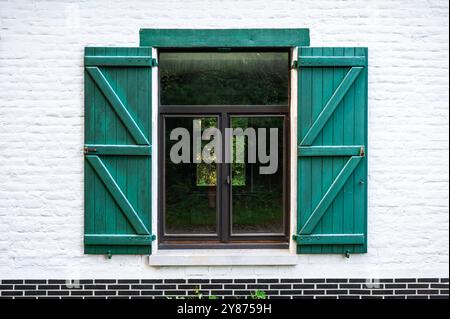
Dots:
(229, 199)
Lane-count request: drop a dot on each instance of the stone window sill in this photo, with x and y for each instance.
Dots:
(221, 257)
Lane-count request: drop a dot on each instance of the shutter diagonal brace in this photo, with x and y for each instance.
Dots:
(117, 104)
(119, 197)
(330, 195)
(331, 106)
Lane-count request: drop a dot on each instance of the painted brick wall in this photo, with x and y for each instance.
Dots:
(41, 128)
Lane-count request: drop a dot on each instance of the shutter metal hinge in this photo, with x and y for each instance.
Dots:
(362, 152)
(294, 64)
(88, 150)
(153, 237)
(109, 254)
(347, 254)
(154, 62)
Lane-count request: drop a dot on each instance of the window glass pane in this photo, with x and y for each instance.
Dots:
(190, 188)
(257, 197)
(217, 78)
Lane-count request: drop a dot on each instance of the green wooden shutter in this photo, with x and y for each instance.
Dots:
(118, 117)
(332, 150)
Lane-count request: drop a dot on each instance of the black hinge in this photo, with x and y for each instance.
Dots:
(362, 152)
(294, 64)
(154, 62)
(88, 150)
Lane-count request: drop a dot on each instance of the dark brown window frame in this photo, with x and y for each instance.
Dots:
(224, 238)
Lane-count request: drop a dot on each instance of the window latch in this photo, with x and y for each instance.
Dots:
(228, 180)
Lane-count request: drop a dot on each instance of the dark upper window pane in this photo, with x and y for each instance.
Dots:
(231, 78)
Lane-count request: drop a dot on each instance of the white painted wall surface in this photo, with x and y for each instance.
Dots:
(41, 128)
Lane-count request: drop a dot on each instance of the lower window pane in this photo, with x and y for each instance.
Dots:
(257, 185)
(190, 188)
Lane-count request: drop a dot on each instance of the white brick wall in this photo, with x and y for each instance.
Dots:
(41, 128)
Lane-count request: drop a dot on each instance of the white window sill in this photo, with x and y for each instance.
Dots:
(221, 257)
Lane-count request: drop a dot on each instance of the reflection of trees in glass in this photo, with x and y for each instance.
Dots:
(213, 78)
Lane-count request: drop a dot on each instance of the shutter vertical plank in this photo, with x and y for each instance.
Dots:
(338, 139)
(327, 174)
(129, 171)
(304, 171)
(317, 162)
(332, 219)
(349, 131)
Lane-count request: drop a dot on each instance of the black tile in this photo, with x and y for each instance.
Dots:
(128, 293)
(221, 292)
(357, 281)
(151, 293)
(221, 281)
(280, 286)
(57, 293)
(165, 287)
(291, 281)
(327, 286)
(371, 297)
(405, 292)
(350, 286)
(35, 293)
(142, 287)
(394, 297)
(349, 297)
(128, 281)
(56, 282)
(338, 281)
(105, 281)
(395, 286)
(188, 287)
(418, 286)
(406, 280)
(198, 281)
(210, 286)
(234, 287)
(386, 281)
(174, 281)
(35, 282)
(242, 293)
(245, 281)
(337, 292)
(81, 293)
(48, 287)
(439, 297)
(428, 292)
(379, 292)
(175, 293)
(118, 287)
(303, 286)
(11, 293)
(327, 297)
(314, 292)
(151, 281)
(86, 281)
(429, 280)
(258, 287)
(315, 281)
(291, 292)
(6, 287)
(359, 292)
(303, 297)
(95, 287)
(439, 286)
(417, 297)
(444, 292)
(268, 281)
(105, 293)
(445, 280)
(25, 287)
(12, 282)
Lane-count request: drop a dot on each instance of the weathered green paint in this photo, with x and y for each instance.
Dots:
(117, 170)
(335, 61)
(332, 162)
(330, 195)
(144, 61)
(331, 106)
(335, 239)
(118, 150)
(139, 240)
(189, 38)
(117, 104)
(353, 150)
